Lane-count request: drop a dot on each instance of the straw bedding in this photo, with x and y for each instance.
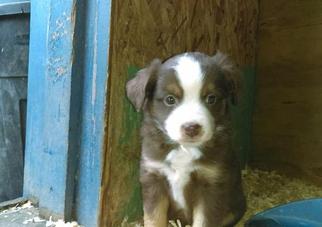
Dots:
(263, 190)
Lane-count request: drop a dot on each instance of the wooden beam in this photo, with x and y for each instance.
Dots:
(66, 107)
(49, 94)
(288, 111)
(95, 49)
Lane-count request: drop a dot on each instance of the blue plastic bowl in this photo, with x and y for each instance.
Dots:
(303, 213)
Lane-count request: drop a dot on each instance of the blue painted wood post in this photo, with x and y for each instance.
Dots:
(52, 27)
(66, 107)
(96, 50)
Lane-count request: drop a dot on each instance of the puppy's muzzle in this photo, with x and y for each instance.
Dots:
(191, 130)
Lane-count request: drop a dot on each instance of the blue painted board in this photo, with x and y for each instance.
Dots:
(49, 94)
(11, 7)
(93, 116)
(66, 107)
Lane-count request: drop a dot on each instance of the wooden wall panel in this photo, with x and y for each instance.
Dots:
(288, 109)
(146, 29)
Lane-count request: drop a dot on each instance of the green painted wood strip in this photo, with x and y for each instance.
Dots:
(242, 116)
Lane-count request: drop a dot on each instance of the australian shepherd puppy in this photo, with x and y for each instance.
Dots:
(188, 168)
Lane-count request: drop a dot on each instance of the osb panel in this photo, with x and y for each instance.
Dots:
(288, 110)
(146, 29)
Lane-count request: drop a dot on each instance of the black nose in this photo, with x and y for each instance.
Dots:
(191, 129)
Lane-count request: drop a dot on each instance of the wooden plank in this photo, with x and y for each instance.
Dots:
(49, 95)
(12, 92)
(142, 30)
(66, 107)
(94, 26)
(14, 45)
(11, 7)
(287, 15)
(12, 203)
(288, 111)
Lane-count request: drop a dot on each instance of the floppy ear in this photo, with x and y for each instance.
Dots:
(137, 88)
(231, 75)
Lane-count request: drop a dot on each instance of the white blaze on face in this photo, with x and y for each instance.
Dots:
(191, 108)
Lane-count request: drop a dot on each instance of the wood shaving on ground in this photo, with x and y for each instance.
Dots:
(263, 190)
(33, 212)
(61, 223)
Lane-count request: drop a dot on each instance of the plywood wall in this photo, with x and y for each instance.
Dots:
(146, 29)
(288, 109)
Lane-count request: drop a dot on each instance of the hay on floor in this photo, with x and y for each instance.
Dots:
(263, 190)
(266, 189)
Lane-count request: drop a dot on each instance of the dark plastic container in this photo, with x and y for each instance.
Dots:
(303, 213)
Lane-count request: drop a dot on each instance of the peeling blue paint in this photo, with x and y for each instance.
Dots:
(49, 94)
(93, 121)
(66, 106)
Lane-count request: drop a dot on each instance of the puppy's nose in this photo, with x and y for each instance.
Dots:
(191, 129)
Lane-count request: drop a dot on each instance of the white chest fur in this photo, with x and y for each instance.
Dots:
(177, 167)
(181, 166)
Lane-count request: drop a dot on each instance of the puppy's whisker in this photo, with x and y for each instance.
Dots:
(183, 148)
(159, 126)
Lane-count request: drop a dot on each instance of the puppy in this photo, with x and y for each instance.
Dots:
(188, 168)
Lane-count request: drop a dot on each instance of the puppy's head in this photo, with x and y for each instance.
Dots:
(187, 95)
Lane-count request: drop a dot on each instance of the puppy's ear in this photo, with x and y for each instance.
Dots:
(137, 88)
(231, 75)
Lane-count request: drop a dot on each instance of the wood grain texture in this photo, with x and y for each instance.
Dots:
(142, 30)
(288, 110)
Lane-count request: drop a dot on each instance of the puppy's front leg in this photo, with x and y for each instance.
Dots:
(199, 218)
(155, 201)
(157, 217)
(206, 216)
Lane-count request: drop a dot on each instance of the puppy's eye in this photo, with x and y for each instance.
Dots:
(170, 100)
(211, 99)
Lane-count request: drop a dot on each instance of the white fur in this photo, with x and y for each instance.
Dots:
(189, 73)
(198, 216)
(192, 108)
(177, 167)
(180, 161)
